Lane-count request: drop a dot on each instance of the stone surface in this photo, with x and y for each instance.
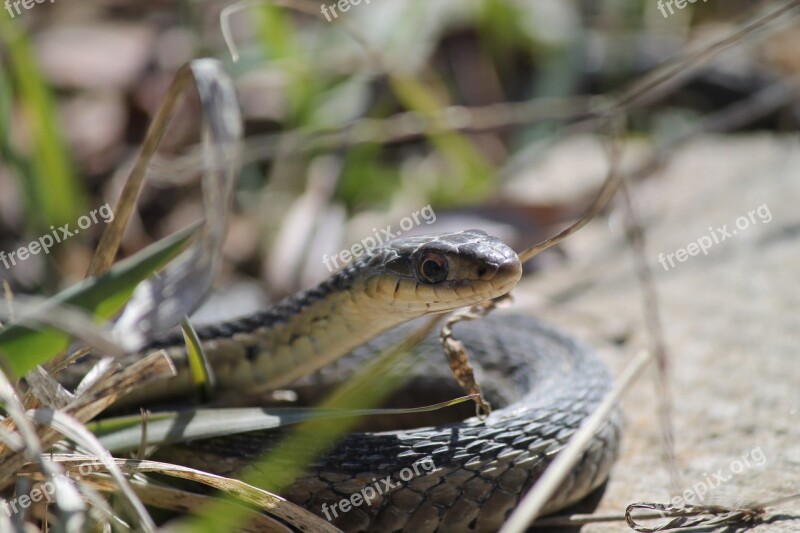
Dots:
(730, 319)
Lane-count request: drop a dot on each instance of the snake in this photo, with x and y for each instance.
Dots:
(457, 475)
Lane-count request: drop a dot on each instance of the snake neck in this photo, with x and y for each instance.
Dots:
(303, 333)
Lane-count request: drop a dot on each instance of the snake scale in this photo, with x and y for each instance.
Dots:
(544, 381)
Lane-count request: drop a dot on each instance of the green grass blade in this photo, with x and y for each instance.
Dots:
(24, 347)
(199, 366)
(55, 195)
(278, 467)
(473, 171)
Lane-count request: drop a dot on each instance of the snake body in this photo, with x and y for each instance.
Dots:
(467, 475)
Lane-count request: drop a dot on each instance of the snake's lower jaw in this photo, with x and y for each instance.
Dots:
(490, 283)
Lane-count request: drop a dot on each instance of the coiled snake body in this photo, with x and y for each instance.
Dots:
(475, 472)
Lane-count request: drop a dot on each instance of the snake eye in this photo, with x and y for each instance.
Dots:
(432, 268)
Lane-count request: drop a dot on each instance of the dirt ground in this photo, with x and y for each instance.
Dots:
(730, 319)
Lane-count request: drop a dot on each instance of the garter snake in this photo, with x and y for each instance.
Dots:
(545, 381)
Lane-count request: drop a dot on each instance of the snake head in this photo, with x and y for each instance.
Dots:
(427, 274)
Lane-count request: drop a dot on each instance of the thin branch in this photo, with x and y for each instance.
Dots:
(532, 504)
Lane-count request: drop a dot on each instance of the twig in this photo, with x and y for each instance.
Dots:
(456, 352)
(636, 238)
(533, 502)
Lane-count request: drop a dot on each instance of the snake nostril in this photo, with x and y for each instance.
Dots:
(487, 271)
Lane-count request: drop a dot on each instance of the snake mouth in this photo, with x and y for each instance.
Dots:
(507, 275)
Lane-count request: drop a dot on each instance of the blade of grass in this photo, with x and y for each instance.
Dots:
(160, 304)
(69, 427)
(270, 503)
(369, 387)
(467, 162)
(224, 130)
(24, 347)
(123, 433)
(68, 503)
(55, 195)
(182, 501)
(69, 319)
(199, 366)
(85, 407)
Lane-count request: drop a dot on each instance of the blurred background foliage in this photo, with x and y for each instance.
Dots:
(80, 82)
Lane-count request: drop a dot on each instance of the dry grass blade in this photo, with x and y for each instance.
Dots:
(160, 303)
(636, 238)
(184, 501)
(16, 415)
(68, 502)
(11, 440)
(690, 517)
(457, 356)
(104, 368)
(301, 6)
(604, 196)
(103, 393)
(269, 503)
(665, 78)
(45, 390)
(85, 407)
(112, 236)
(74, 430)
(193, 424)
(531, 505)
(101, 511)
